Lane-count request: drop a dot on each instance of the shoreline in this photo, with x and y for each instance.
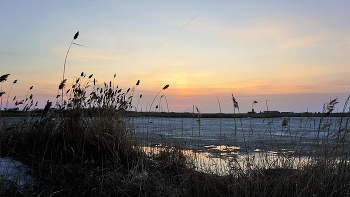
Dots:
(231, 115)
(192, 115)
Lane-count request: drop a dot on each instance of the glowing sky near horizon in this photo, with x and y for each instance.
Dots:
(295, 54)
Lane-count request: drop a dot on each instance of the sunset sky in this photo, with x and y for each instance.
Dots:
(291, 55)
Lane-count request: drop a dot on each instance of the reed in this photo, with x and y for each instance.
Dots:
(318, 167)
(84, 144)
(81, 145)
(164, 88)
(3, 78)
(8, 95)
(61, 86)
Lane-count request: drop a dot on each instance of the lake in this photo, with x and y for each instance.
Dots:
(214, 143)
(292, 135)
(244, 135)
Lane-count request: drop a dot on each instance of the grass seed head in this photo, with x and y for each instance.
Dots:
(76, 35)
(166, 87)
(62, 84)
(197, 109)
(235, 103)
(331, 106)
(46, 108)
(4, 77)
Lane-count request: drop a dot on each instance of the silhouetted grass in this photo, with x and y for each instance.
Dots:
(84, 146)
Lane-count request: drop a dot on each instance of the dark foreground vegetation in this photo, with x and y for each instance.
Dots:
(82, 146)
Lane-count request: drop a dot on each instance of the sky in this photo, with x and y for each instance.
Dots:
(286, 55)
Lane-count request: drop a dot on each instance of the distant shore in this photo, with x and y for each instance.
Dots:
(231, 115)
(192, 115)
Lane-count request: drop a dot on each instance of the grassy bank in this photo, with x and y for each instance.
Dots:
(82, 145)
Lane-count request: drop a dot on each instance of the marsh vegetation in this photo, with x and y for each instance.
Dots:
(86, 144)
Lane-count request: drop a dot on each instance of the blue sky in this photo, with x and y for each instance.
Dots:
(295, 54)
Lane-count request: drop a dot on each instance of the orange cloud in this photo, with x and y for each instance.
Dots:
(274, 32)
(301, 41)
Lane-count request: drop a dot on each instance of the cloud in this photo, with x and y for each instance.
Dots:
(281, 34)
(301, 41)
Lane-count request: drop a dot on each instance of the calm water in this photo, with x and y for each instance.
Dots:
(244, 134)
(247, 140)
(240, 134)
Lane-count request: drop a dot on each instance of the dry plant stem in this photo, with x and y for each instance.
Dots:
(132, 90)
(220, 127)
(31, 87)
(137, 107)
(193, 119)
(220, 119)
(235, 105)
(153, 100)
(2, 79)
(8, 95)
(167, 106)
(244, 137)
(164, 88)
(199, 127)
(1, 103)
(64, 66)
(159, 104)
(65, 60)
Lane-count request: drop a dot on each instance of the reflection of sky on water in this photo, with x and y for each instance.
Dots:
(222, 145)
(265, 134)
(300, 135)
(224, 162)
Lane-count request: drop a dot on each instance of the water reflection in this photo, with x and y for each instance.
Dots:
(224, 160)
(298, 136)
(224, 145)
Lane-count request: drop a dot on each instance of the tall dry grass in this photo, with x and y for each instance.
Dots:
(295, 166)
(82, 145)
